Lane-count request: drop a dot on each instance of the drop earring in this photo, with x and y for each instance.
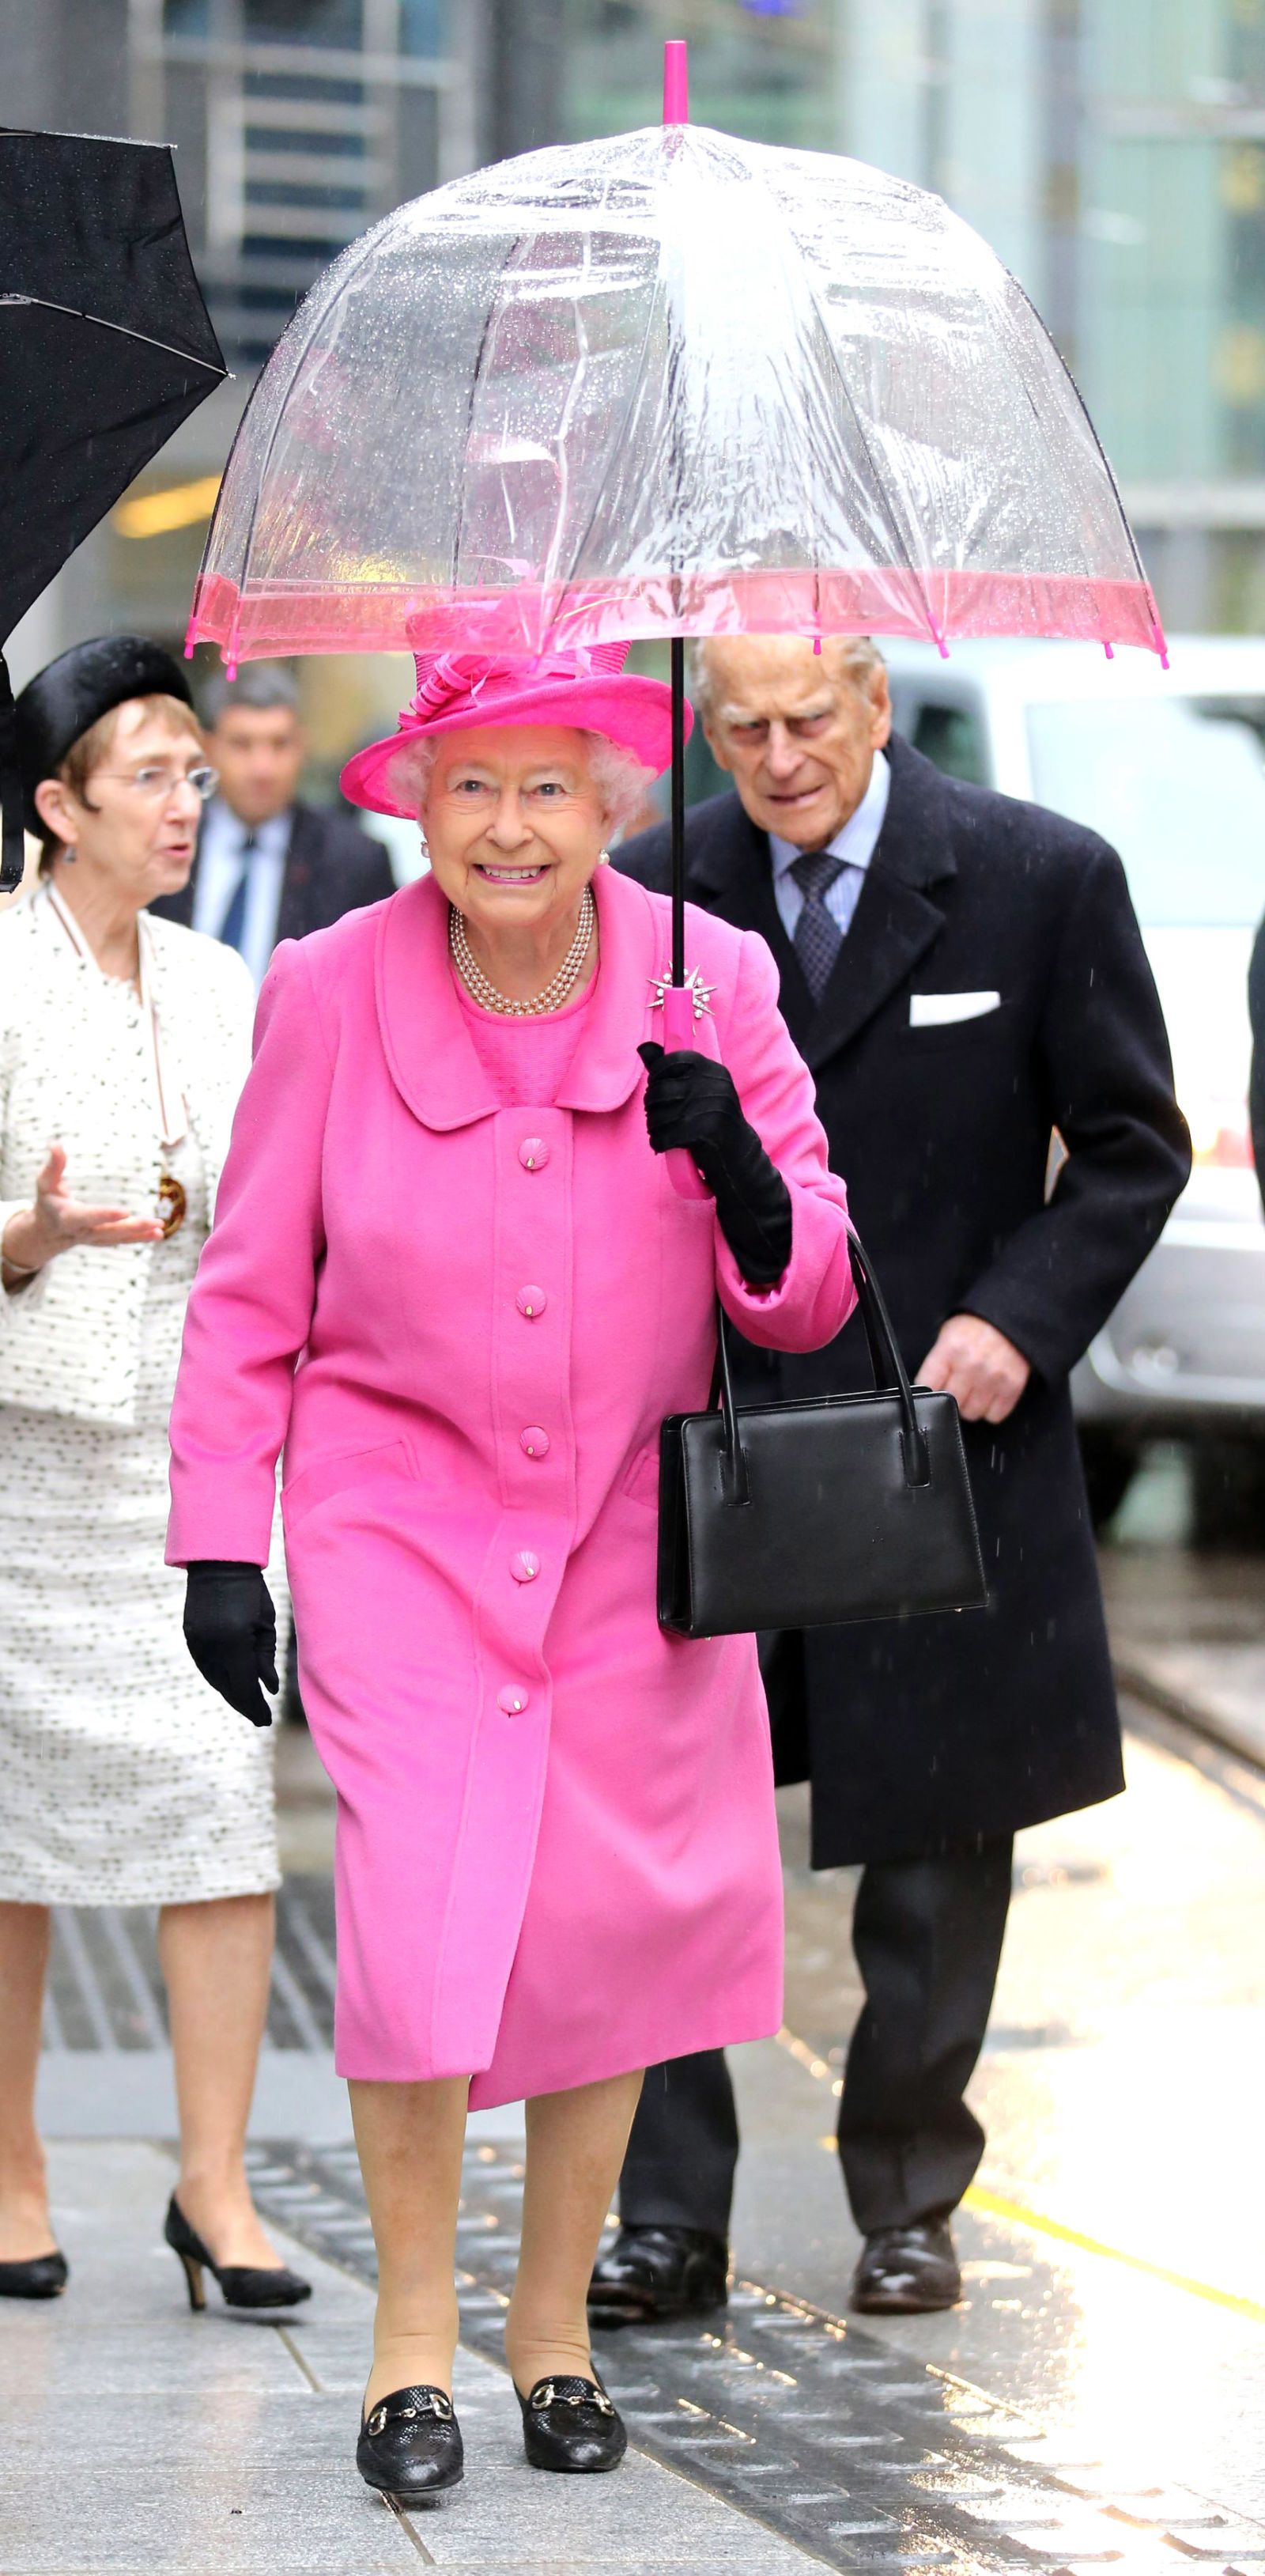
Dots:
(70, 854)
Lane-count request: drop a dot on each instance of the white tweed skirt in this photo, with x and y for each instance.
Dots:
(124, 1779)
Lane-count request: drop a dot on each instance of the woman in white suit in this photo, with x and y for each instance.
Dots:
(124, 1042)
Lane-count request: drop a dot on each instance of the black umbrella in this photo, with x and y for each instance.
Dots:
(107, 347)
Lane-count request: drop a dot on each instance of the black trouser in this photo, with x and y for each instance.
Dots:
(927, 1936)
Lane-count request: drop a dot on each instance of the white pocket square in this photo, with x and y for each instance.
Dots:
(936, 1010)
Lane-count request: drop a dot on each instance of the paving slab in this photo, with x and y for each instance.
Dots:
(130, 2093)
(221, 2445)
(1188, 1634)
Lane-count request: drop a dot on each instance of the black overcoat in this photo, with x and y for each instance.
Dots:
(923, 1734)
(331, 867)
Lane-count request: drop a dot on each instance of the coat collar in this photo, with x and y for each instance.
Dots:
(732, 873)
(897, 915)
(896, 919)
(425, 1035)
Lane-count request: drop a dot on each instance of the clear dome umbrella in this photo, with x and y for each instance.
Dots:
(670, 383)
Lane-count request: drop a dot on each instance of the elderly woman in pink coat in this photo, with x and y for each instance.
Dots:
(450, 1273)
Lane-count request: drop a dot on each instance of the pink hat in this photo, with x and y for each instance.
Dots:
(587, 688)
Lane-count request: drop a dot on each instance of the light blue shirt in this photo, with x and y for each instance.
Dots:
(220, 855)
(855, 845)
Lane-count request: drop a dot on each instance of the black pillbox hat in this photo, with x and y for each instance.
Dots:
(72, 693)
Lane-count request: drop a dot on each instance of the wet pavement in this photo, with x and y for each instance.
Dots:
(1097, 2399)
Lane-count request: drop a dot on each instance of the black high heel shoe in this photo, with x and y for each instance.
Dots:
(410, 2445)
(243, 2285)
(43, 2277)
(571, 2423)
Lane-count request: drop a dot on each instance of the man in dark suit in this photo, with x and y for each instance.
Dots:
(269, 867)
(964, 975)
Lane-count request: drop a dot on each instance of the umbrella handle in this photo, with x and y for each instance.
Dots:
(678, 1031)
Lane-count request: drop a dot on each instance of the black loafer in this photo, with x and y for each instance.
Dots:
(907, 2271)
(410, 2445)
(570, 2423)
(43, 2277)
(653, 2273)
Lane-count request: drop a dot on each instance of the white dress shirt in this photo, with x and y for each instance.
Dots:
(855, 845)
(220, 858)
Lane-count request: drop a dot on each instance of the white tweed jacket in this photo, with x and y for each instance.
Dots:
(73, 1071)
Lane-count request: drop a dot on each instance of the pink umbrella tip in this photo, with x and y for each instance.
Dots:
(676, 82)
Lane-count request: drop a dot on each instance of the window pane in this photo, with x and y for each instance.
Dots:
(1178, 786)
(953, 738)
(302, 22)
(422, 29)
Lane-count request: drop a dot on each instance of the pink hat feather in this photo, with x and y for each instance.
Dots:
(587, 688)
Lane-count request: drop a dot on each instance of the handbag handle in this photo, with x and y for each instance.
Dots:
(885, 1360)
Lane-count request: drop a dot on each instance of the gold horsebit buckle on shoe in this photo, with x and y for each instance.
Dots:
(430, 2401)
(547, 2396)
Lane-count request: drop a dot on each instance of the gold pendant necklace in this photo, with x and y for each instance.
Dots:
(173, 1204)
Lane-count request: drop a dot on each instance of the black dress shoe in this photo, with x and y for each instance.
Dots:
(570, 2423)
(410, 2445)
(243, 2285)
(43, 2277)
(904, 2271)
(651, 2273)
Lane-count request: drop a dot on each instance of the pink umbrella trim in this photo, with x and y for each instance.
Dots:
(536, 618)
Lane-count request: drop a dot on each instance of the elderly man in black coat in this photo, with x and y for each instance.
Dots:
(966, 978)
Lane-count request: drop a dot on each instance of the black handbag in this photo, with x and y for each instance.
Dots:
(810, 1515)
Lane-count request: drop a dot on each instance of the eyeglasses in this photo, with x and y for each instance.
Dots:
(163, 783)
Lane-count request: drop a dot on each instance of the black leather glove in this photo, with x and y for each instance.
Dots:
(230, 1629)
(691, 1103)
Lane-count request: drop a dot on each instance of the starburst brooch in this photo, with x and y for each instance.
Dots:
(699, 992)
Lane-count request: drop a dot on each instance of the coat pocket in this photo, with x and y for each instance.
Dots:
(957, 1037)
(640, 1480)
(324, 1477)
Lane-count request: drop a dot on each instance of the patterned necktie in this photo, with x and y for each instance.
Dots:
(232, 929)
(818, 938)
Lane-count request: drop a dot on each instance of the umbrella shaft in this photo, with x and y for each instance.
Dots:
(678, 809)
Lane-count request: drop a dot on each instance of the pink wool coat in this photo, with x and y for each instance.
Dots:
(556, 1846)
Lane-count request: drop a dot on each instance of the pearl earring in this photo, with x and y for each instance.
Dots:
(604, 858)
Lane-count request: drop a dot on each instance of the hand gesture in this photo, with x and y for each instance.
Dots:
(58, 1222)
(976, 1364)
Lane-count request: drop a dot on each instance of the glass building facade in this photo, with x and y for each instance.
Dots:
(1113, 154)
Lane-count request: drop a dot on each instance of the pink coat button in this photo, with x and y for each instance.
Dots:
(534, 1441)
(533, 1153)
(531, 1301)
(513, 1699)
(524, 1565)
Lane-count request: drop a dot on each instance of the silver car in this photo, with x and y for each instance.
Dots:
(1170, 767)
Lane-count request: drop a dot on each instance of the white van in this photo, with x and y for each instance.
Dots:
(1169, 766)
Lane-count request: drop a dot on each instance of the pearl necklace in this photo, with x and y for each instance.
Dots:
(556, 991)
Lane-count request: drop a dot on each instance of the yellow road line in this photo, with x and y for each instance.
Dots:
(992, 2205)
